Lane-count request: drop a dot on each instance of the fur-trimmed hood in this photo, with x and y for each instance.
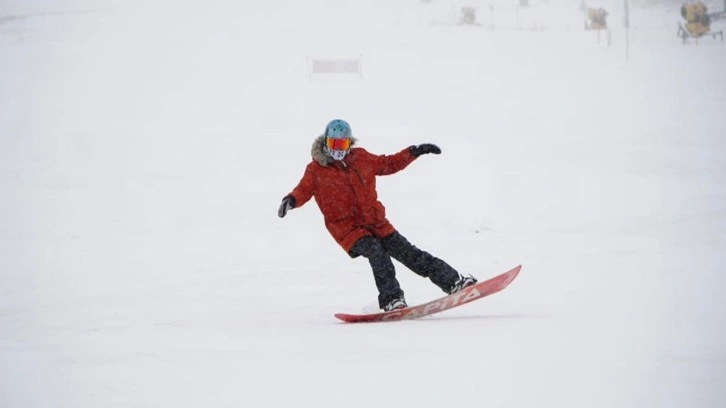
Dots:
(318, 150)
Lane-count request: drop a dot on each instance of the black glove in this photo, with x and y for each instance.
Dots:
(424, 149)
(288, 203)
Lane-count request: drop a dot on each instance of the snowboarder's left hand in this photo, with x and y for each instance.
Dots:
(425, 148)
(288, 203)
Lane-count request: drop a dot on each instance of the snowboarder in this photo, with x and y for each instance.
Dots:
(342, 178)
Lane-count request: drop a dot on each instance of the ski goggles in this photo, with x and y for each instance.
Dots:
(337, 144)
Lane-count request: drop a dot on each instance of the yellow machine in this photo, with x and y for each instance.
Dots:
(596, 20)
(698, 22)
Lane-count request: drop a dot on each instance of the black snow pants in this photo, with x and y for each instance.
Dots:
(379, 252)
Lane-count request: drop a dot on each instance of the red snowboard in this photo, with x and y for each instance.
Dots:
(467, 295)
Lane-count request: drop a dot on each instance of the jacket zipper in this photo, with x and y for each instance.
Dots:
(359, 177)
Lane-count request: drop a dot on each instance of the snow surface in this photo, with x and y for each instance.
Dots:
(145, 147)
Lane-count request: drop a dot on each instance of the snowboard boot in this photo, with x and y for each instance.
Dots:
(461, 283)
(395, 304)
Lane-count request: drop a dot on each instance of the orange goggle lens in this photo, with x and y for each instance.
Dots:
(338, 144)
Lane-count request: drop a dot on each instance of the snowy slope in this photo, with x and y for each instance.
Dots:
(144, 149)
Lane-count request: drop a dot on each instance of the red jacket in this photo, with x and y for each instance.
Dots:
(345, 191)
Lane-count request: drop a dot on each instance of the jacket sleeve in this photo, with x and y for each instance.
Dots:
(394, 163)
(305, 189)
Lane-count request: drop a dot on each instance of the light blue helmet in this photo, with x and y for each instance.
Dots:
(338, 139)
(338, 129)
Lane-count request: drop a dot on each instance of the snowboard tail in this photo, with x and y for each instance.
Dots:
(466, 295)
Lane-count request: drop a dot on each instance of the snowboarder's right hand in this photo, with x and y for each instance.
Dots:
(288, 203)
